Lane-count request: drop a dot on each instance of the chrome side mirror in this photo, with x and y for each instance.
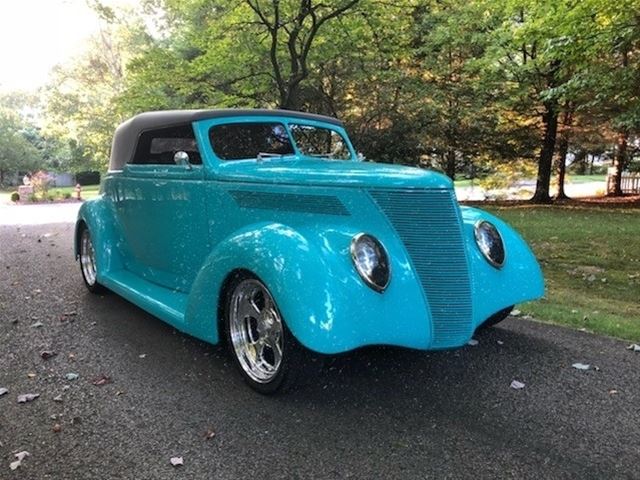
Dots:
(182, 158)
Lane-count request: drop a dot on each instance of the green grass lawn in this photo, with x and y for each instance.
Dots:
(591, 261)
(583, 178)
(570, 179)
(88, 192)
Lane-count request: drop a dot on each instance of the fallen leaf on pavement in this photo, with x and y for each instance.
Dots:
(101, 380)
(71, 376)
(177, 461)
(473, 342)
(210, 434)
(142, 355)
(37, 325)
(27, 397)
(516, 385)
(58, 398)
(20, 456)
(613, 391)
(499, 342)
(56, 428)
(31, 375)
(581, 366)
(47, 354)
(3, 391)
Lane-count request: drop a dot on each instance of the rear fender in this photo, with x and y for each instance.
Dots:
(98, 216)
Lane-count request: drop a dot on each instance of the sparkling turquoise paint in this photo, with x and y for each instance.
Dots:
(167, 238)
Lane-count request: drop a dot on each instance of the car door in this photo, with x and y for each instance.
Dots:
(162, 208)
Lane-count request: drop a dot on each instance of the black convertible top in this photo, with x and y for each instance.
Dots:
(126, 135)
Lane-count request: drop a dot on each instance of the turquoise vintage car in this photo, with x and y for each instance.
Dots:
(264, 227)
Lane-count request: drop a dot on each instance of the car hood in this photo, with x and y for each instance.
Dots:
(330, 173)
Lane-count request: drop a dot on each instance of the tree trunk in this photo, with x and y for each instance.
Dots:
(545, 161)
(450, 166)
(291, 99)
(620, 163)
(580, 162)
(563, 148)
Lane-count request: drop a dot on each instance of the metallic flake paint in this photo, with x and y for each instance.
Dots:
(167, 238)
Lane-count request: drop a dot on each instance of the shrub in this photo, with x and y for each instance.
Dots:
(40, 181)
(33, 198)
(67, 195)
(15, 197)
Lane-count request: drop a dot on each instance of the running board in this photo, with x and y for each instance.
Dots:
(168, 305)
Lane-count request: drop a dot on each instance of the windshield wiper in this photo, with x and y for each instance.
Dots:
(265, 155)
(322, 155)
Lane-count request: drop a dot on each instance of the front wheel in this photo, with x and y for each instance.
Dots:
(497, 317)
(87, 259)
(264, 350)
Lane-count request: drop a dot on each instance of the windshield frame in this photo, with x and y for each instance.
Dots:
(203, 128)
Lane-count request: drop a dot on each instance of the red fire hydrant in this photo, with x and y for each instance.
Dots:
(78, 192)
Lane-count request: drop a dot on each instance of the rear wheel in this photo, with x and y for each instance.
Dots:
(88, 262)
(265, 352)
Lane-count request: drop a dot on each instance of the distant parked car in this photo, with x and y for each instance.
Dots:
(265, 228)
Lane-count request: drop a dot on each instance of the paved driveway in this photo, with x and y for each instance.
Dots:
(374, 413)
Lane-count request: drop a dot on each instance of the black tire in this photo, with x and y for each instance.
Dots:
(240, 329)
(86, 257)
(497, 317)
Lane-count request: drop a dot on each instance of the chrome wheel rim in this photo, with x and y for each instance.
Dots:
(87, 258)
(256, 331)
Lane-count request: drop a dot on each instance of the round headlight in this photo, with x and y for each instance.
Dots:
(490, 243)
(371, 261)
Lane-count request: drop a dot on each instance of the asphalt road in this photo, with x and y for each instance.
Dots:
(374, 413)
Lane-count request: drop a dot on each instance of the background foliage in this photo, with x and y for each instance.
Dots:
(464, 87)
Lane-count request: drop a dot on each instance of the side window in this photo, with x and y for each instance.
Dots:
(157, 147)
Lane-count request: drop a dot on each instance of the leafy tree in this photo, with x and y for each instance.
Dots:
(612, 76)
(458, 100)
(17, 154)
(81, 111)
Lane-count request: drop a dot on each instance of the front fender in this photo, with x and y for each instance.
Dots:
(324, 302)
(520, 278)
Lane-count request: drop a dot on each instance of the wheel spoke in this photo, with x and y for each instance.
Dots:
(255, 329)
(248, 309)
(275, 347)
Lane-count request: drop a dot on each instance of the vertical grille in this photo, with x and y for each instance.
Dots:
(428, 224)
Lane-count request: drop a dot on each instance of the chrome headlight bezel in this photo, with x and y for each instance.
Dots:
(487, 237)
(377, 276)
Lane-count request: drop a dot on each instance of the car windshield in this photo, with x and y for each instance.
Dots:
(260, 140)
(320, 142)
(240, 141)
